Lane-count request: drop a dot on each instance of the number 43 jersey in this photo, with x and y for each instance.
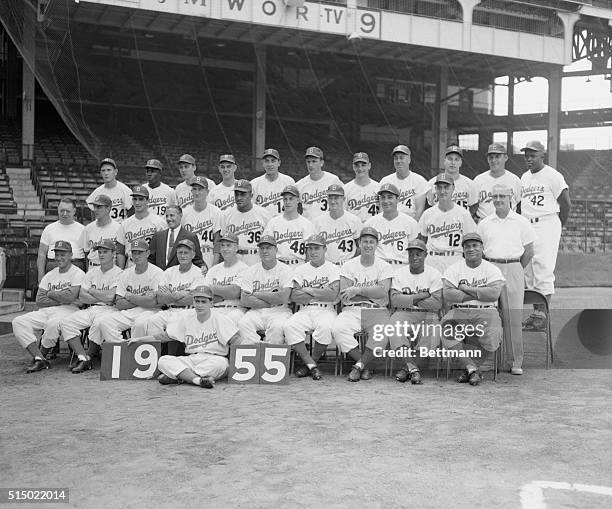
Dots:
(341, 235)
(445, 230)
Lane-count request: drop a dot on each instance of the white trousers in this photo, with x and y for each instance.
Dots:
(73, 324)
(317, 319)
(202, 364)
(540, 273)
(271, 320)
(113, 324)
(25, 326)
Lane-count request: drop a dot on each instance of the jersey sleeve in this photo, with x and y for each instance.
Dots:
(121, 285)
(472, 193)
(558, 184)
(44, 282)
(216, 221)
(121, 234)
(423, 224)
(494, 274)
(87, 281)
(175, 329)
(245, 280)
(435, 281)
(517, 189)
(421, 186)
(45, 238)
(286, 279)
(470, 225)
(356, 227)
(127, 197)
(451, 274)
(77, 277)
(82, 242)
(226, 328)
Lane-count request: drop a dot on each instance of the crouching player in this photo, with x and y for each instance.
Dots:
(207, 335)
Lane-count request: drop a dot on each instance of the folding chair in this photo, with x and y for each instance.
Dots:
(336, 361)
(535, 297)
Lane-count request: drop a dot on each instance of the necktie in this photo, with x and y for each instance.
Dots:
(170, 244)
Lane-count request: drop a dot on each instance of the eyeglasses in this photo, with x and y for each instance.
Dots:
(498, 196)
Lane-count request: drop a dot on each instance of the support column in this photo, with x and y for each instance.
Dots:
(439, 127)
(510, 126)
(28, 91)
(259, 105)
(554, 110)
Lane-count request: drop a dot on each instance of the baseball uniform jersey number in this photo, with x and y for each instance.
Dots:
(161, 210)
(207, 235)
(253, 237)
(373, 210)
(346, 245)
(279, 207)
(400, 245)
(129, 362)
(463, 203)
(298, 247)
(537, 200)
(409, 203)
(454, 239)
(324, 204)
(115, 213)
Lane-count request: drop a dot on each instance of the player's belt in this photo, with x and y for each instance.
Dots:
(206, 248)
(172, 306)
(226, 306)
(364, 305)
(290, 262)
(443, 253)
(534, 219)
(318, 305)
(502, 260)
(411, 309)
(341, 262)
(396, 262)
(247, 251)
(473, 306)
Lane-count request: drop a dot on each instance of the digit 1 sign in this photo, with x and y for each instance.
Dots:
(137, 361)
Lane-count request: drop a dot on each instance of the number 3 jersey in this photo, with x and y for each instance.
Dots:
(540, 191)
(445, 230)
(203, 223)
(341, 235)
(313, 193)
(290, 235)
(393, 236)
(210, 336)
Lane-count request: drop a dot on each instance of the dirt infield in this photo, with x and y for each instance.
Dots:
(307, 444)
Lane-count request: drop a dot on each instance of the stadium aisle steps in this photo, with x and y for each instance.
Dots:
(24, 192)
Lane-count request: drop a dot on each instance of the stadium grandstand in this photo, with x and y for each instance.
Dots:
(141, 79)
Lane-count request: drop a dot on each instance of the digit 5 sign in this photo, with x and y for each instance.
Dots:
(261, 363)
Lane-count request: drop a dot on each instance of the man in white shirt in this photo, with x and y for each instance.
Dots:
(187, 168)
(160, 195)
(313, 186)
(103, 228)
(222, 196)
(267, 188)
(118, 192)
(361, 192)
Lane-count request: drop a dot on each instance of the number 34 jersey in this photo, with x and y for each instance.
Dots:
(445, 230)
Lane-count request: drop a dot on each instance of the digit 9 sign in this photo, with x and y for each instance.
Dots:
(138, 361)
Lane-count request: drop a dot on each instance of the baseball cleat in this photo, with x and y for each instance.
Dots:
(475, 378)
(415, 378)
(302, 372)
(83, 366)
(315, 373)
(166, 380)
(464, 377)
(516, 371)
(38, 365)
(535, 322)
(366, 374)
(207, 382)
(355, 374)
(73, 363)
(402, 375)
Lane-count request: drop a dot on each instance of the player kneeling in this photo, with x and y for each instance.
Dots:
(207, 335)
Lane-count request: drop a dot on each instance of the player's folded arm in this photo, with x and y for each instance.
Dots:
(328, 293)
(277, 298)
(452, 294)
(489, 293)
(377, 291)
(249, 300)
(433, 302)
(183, 298)
(122, 303)
(225, 292)
(43, 300)
(67, 295)
(86, 297)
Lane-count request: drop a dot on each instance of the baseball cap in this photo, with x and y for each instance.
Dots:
(187, 158)
(243, 185)
(534, 145)
(202, 291)
(199, 181)
(368, 230)
(315, 240)
(496, 148)
(314, 152)
(108, 160)
(229, 236)
(267, 239)
(417, 244)
(291, 190)
(389, 188)
(335, 189)
(454, 149)
(105, 244)
(102, 200)
(444, 178)
(471, 236)
(155, 164)
(62, 245)
(228, 158)
(187, 243)
(139, 245)
(361, 157)
(140, 191)
(271, 152)
(401, 148)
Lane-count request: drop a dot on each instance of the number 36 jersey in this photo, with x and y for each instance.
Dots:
(248, 226)
(445, 230)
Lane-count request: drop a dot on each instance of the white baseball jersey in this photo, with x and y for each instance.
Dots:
(121, 197)
(483, 275)
(393, 236)
(183, 196)
(133, 228)
(290, 236)
(222, 197)
(203, 223)
(313, 193)
(249, 226)
(56, 281)
(220, 275)
(464, 195)
(139, 284)
(362, 200)
(309, 276)
(445, 230)
(267, 193)
(103, 281)
(160, 197)
(210, 336)
(340, 234)
(179, 281)
(93, 234)
(363, 277)
(484, 184)
(540, 191)
(505, 238)
(410, 187)
(430, 280)
(258, 279)
(68, 232)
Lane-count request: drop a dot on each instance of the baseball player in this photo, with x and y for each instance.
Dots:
(315, 290)
(545, 202)
(57, 297)
(412, 186)
(66, 228)
(265, 291)
(267, 188)
(173, 291)
(204, 220)
(339, 228)
(364, 286)
(313, 187)
(444, 225)
(465, 193)
(472, 287)
(222, 196)
(142, 225)
(187, 168)
(416, 297)
(290, 229)
(361, 192)
(247, 221)
(98, 292)
(160, 195)
(103, 228)
(508, 244)
(136, 294)
(118, 192)
(396, 229)
(207, 335)
(222, 279)
(497, 175)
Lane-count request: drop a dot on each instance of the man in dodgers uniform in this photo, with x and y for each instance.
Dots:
(508, 243)
(57, 297)
(290, 229)
(361, 192)
(160, 195)
(395, 228)
(118, 192)
(313, 187)
(187, 168)
(364, 293)
(103, 228)
(222, 196)
(267, 188)
(315, 290)
(265, 290)
(98, 291)
(472, 287)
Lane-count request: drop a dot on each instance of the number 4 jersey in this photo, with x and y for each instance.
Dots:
(540, 191)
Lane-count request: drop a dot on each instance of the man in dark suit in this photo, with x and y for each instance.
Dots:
(162, 245)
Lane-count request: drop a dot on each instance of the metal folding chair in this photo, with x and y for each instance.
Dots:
(535, 297)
